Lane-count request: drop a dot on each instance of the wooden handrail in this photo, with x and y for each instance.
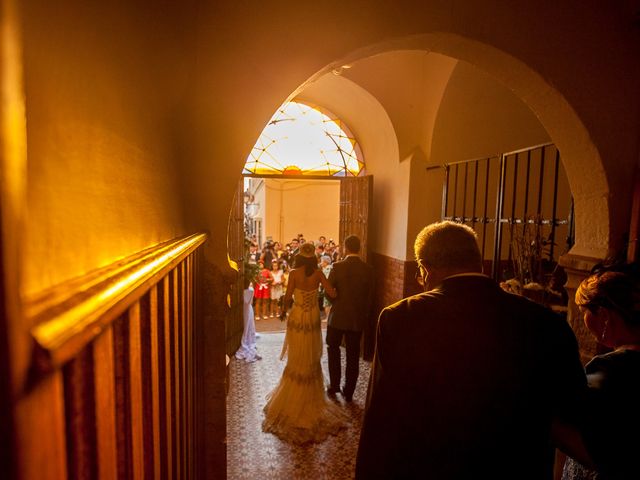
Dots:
(71, 315)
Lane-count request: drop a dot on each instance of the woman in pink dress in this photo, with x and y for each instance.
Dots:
(263, 293)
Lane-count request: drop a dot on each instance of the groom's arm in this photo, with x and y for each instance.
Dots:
(333, 280)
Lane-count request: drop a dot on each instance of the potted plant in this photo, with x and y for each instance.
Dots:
(535, 274)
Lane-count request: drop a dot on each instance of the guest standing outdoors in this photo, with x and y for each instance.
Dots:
(466, 377)
(350, 310)
(263, 292)
(277, 287)
(325, 266)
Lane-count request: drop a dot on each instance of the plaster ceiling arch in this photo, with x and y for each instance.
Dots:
(366, 118)
(581, 158)
(374, 130)
(412, 108)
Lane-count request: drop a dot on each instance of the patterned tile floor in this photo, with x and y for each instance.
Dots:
(252, 454)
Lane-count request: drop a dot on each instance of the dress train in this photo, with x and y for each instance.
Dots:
(298, 409)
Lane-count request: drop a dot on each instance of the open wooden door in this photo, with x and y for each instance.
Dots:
(355, 205)
(235, 246)
(356, 195)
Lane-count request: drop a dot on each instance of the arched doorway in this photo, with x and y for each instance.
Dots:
(597, 230)
(305, 161)
(581, 158)
(528, 81)
(410, 146)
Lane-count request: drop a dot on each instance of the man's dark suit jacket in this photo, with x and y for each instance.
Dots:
(353, 279)
(465, 382)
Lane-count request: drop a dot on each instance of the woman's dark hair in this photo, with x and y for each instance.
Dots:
(310, 264)
(615, 287)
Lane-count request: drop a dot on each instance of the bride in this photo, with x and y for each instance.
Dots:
(298, 410)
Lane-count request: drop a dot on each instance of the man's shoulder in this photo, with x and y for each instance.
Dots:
(337, 266)
(354, 261)
(345, 263)
(358, 267)
(395, 319)
(401, 307)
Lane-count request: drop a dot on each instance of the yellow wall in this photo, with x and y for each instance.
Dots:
(103, 86)
(140, 116)
(310, 207)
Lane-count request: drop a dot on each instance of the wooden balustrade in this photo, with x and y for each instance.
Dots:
(124, 339)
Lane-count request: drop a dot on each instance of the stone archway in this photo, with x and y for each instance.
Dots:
(601, 214)
(597, 231)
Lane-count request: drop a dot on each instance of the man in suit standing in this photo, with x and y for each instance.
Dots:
(350, 310)
(466, 378)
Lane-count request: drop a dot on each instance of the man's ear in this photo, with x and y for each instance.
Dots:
(429, 268)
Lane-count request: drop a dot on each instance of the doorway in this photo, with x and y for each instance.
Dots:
(347, 203)
(279, 211)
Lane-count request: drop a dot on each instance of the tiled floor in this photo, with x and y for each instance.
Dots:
(252, 454)
(270, 325)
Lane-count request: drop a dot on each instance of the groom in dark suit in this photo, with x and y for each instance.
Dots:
(466, 378)
(350, 310)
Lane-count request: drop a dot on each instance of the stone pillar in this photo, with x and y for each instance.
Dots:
(210, 338)
(577, 269)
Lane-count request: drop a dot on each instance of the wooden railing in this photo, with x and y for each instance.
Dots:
(123, 338)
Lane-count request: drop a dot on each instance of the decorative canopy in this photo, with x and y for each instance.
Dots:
(304, 140)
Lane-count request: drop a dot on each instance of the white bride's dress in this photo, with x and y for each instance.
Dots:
(298, 409)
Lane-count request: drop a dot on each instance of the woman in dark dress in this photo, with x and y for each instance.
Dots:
(609, 434)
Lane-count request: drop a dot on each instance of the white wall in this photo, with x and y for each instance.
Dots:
(370, 124)
(310, 207)
(480, 117)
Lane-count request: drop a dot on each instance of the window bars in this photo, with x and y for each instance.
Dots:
(527, 191)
